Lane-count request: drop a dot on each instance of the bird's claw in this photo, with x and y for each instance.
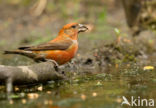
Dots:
(55, 64)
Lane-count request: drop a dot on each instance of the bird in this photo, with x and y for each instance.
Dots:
(60, 50)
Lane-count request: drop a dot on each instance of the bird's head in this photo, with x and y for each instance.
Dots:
(71, 30)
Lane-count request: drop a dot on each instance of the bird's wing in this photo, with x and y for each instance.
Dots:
(58, 45)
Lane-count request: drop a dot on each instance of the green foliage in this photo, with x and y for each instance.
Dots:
(18, 2)
(2, 42)
(102, 16)
(26, 2)
(117, 31)
(50, 7)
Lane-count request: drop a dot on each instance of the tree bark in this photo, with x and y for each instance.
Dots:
(21, 75)
(132, 9)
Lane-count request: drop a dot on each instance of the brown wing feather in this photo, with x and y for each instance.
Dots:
(59, 45)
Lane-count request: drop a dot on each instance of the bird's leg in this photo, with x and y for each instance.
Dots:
(41, 58)
(55, 63)
(56, 66)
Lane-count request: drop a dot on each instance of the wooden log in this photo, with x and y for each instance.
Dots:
(22, 75)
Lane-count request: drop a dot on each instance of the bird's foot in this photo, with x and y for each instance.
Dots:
(56, 66)
(43, 59)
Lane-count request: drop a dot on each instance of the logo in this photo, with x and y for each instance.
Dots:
(137, 101)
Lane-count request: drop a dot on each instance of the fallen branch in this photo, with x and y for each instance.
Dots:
(20, 75)
(38, 7)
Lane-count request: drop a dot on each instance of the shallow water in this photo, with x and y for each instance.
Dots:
(87, 91)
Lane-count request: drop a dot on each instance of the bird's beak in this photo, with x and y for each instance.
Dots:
(82, 28)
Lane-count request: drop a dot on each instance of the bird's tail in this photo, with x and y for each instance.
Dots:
(12, 52)
(21, 52)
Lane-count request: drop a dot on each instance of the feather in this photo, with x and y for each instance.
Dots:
(58, 45)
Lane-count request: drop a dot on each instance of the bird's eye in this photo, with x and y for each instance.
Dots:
(74, 26)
